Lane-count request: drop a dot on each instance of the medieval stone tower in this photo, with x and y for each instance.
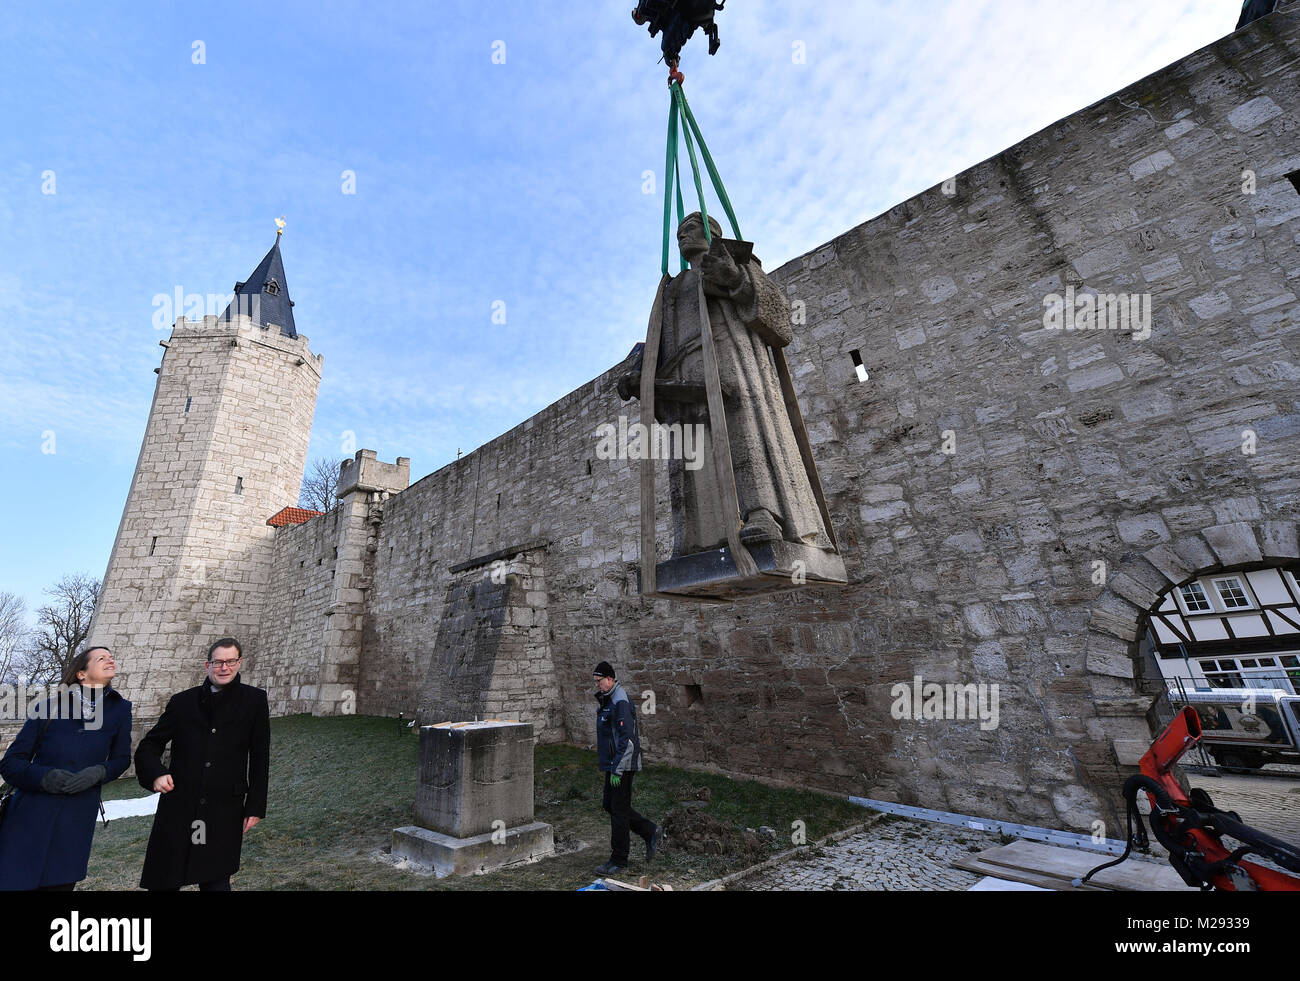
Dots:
(224, 450)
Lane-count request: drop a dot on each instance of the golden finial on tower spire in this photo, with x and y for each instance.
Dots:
(279, 225)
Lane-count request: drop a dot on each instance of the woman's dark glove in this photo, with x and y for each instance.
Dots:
(56, 781)
(87, 778)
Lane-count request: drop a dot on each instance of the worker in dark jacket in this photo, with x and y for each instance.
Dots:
(1253, 10)
(618, 748)
(57, 765)
(215, 790)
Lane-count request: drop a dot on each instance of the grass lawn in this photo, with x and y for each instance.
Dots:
(339, 787)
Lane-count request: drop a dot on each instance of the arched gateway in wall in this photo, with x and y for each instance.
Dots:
(1133, 628)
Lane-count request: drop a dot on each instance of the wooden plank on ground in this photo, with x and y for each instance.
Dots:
(1071, 863)
(969, 864)
(614, 885)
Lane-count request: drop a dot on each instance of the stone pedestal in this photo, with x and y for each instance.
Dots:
(474, 804)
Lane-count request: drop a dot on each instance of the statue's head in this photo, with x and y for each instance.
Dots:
(690, 236)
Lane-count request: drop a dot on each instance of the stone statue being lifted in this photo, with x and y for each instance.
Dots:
(749, 315)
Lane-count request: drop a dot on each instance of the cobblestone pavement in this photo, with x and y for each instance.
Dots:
(901, 854)
(893, 854)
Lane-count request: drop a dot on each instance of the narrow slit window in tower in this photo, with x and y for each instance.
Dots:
(189, 400)
(153, 544)
(239, 485)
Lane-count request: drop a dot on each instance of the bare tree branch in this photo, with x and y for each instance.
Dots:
(13, 635)
(320, 484)
(61, 629)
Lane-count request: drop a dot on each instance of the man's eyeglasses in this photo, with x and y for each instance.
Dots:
(225, 664)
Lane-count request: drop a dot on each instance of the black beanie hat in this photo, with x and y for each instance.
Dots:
(604, 670)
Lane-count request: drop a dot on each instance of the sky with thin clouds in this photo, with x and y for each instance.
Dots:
(476, 183)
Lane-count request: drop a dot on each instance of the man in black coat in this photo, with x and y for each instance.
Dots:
(214, 792)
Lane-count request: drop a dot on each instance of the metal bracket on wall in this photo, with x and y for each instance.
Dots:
(1066, 839)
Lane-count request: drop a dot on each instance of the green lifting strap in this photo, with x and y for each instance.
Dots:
(673, 176)
(670, 171)
(699, 187)
(673, 179)
(679, 113)
(681, 216)
(708, 162)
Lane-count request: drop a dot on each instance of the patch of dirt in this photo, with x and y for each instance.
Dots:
(683, 792)
(696, 833)
(566, 844)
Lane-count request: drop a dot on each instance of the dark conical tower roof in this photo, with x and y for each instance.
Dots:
(265, 295)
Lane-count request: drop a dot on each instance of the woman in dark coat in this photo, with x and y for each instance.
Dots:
(57, 765)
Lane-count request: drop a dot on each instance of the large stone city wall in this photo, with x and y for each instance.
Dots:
(288, 661)
(492, 655)
(978, 565)
(539, 485)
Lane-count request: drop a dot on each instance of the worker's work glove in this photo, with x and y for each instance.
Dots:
(89, 777)
(615, 779)
(56, 782)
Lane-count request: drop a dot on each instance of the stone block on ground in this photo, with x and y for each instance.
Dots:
(474, 802)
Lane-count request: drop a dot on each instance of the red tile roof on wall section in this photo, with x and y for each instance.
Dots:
(291, 516)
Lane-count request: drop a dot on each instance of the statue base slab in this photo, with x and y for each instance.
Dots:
(476, 855)
(474, 802)
(782, 566)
